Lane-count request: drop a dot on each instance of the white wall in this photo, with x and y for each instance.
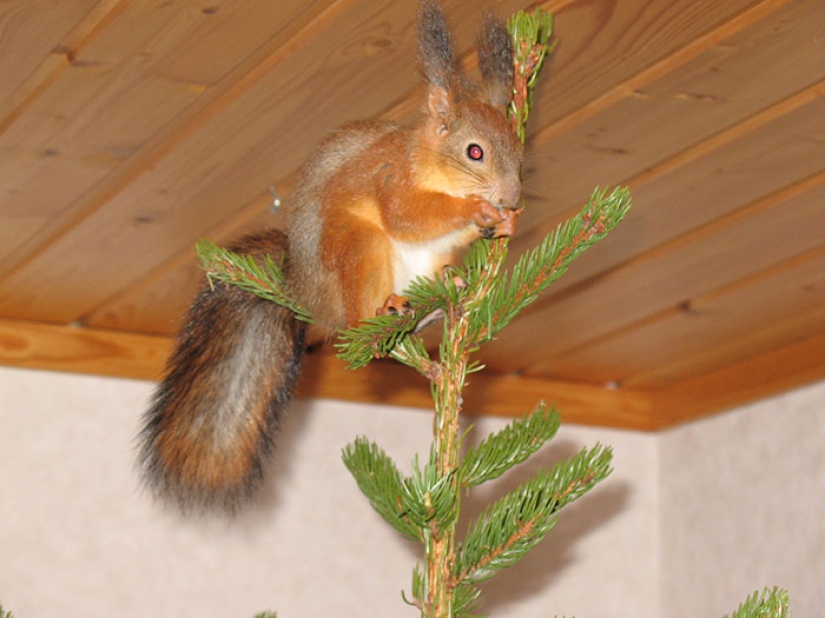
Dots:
(743, 506)
(79, 538)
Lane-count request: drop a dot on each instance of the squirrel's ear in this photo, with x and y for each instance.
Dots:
(495, 59)
(436, 47)
(440, 110)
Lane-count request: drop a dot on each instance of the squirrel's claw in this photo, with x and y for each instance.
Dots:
(396, 305)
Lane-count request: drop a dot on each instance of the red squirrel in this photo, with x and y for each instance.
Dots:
(375, 206)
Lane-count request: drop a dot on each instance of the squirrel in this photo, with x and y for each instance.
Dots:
(375, 206)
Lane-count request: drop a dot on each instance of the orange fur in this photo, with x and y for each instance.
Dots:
(376, 206)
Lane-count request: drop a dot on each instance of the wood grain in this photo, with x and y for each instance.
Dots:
(722, 328)
(795, 364)
(713, 187)
(717, 257)
(130, 129)
(74, 349)
(38, 43)
(111, 353)
(138, 52)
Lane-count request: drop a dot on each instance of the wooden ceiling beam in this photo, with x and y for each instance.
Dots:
(794, 365)
(111, 353)
(76, 349)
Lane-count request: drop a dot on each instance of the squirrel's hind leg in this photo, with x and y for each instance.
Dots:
(364, 266)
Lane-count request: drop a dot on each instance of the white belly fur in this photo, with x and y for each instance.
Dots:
(423, 259)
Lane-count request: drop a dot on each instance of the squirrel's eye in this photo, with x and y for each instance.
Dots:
(475, 152)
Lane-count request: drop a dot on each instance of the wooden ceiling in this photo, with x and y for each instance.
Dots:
(128, 130)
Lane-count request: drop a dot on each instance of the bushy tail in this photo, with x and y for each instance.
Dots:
(212, 419)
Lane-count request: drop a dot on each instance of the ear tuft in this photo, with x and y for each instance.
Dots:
(436, 53)
(495, 59)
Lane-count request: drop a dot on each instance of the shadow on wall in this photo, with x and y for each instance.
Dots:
(555, 554)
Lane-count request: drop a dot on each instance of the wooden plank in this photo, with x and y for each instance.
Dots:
(79, 350)
(705, 190)
(714, 97)
(146, 318)
(745, 318)
(715, 257)
(125, 75)
(111, 353)
(156, 304)
(606, 44)
(230, 160)
(740, 348)
(796, 364)
(39, 40)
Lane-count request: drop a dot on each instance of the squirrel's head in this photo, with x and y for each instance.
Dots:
(466, 129)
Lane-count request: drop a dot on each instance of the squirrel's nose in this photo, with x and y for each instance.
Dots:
(509, 193)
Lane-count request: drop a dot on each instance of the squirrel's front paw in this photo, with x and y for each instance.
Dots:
(396, 305)
(505, 225)
(486, 216)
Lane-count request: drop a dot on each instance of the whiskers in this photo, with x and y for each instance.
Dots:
(472, 180)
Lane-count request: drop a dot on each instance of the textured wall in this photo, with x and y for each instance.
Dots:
(692, 521)
(79, 539)
(743, 506)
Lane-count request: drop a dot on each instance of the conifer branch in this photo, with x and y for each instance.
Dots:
(541, 266)
(265, 279)
(373, 338)
(509, 528)
(531, 35)
(381, 482)
(511, 446)
(412, 352)
(771, 603)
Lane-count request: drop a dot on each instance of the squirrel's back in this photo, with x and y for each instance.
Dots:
(309, 281)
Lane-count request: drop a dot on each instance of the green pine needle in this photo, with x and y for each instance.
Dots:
(408, 504)
(466, 599)
(511, 446)
(412, 352)
(537, 269)
(771, 603)
(372, 338)
(418, 586)
(513, 525)
(381, 482)
(429, 496)
(265, 280)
